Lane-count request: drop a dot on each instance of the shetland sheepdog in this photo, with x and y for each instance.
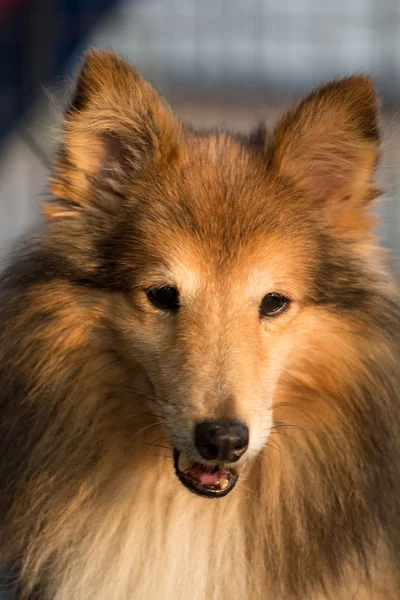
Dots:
(199, 358)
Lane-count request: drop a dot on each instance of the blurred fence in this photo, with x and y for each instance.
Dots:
(230, 62)
(253, 46)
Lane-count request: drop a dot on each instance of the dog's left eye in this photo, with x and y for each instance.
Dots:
(166, 298)
(273, 304)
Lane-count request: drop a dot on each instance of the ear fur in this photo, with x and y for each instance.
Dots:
(115, 128)
(327, 145)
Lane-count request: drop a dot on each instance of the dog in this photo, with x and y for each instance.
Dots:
(199, 358)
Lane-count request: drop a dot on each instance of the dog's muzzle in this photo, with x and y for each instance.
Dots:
(209, 481)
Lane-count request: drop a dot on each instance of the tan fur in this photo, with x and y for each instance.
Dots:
(99, 385)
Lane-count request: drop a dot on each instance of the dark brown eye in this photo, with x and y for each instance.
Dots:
(273, 304)
(166, 298)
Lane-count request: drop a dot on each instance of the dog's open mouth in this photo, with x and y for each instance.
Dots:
(212, 482)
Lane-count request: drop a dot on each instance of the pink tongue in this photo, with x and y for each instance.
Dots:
(208, 478)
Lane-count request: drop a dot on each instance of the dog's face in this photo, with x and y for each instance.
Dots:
(226, 260)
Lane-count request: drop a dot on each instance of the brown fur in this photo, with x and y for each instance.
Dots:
(98, 385)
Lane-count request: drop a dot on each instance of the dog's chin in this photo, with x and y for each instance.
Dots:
(208, 481)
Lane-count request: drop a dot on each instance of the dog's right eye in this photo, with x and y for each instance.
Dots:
(166, 298)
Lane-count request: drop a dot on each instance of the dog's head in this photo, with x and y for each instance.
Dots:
(230, 263)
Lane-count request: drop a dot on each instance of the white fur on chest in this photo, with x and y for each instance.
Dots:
(159, 543)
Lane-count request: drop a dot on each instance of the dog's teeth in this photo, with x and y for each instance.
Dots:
(183, 462)
(223, 484)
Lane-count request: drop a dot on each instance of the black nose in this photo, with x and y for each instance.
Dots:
(225, 440)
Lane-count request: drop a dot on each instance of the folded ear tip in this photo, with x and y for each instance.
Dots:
(351, 100)
(358, 92)
(85, 78)
(358, 80)
(99, 55)
(361, 88)
(366, 105)
(100, 70)
(358, 85)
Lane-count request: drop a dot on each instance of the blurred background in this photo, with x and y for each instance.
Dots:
(229, 63)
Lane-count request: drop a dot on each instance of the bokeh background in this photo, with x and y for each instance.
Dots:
(219, 62)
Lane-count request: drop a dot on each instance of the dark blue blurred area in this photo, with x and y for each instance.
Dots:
(38, 38)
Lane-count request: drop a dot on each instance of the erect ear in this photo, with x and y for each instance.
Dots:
(115, 128)
(328, 143)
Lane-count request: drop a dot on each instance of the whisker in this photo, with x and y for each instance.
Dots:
(141, 430)
(279, 426)
(244, 487)
(127, 389)
(156, 446)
